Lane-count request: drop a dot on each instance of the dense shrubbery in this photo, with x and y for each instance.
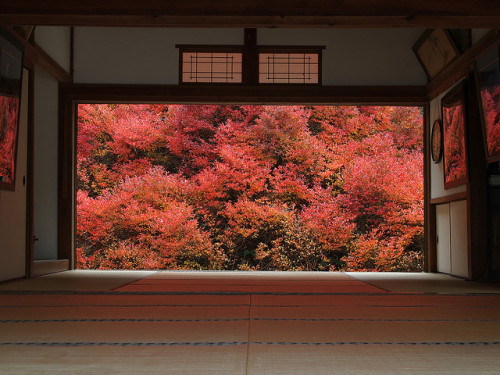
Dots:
(249, 187)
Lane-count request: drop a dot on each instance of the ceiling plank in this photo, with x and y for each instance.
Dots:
(255, 13)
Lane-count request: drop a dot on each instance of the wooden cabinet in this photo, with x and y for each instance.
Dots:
(451, 238)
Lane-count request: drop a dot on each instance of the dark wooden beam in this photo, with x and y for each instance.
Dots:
(461, 66)
(256, 13)
(30, 198)
(477, 192)
(72, 53)
(259, 22)
(51, 66)
(430, 258)
(250, 58)
(430, 264)
(66, 167)
(29, 52)
(287, 94)
(35, 55)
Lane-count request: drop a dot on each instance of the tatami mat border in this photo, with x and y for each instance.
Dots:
(132, 320)
(236, 343)
(247, 305)
(222, 293)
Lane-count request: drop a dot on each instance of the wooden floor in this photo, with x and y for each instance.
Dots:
(108, 322)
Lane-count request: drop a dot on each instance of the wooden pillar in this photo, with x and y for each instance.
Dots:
(66, 218)
(30, 173)
(250, 58)
(477, 190)
(430, 264)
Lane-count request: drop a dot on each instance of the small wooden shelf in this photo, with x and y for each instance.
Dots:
(449, 198)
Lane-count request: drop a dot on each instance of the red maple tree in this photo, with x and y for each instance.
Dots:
(250, 187)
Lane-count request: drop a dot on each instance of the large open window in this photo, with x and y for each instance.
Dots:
(250, 187)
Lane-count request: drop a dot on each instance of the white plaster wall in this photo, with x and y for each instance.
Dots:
(136, 55)
(56, 41)
(13, 205)
(358, 56)
(149, 56)
(45, 168)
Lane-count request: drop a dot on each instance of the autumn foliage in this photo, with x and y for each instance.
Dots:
(249, 187)
(8, 137)
(490, 98)
(455, 158)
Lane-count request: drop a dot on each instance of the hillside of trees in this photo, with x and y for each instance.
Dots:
(321, 188)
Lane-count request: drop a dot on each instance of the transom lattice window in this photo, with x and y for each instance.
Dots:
(211, 67)
(282, 67)
(249, 64)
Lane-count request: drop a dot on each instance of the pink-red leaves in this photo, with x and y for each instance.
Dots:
(250, 187)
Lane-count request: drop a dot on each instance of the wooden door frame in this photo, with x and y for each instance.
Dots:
(73, 94)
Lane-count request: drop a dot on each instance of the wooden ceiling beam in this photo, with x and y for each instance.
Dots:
(260, 94)
(35, 55)
(249, 21)
(459, 68)
(255, 13)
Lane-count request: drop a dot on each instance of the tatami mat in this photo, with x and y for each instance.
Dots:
(375, 312)
(373, 331)
(251, 289)
(372, 360)
(251, 277)
(113, 299)
(126, 312)
(423, 283)
(245, 323)
(259, 282)
(382, 299)
(83, 280)
(102, 360)
(125, 331)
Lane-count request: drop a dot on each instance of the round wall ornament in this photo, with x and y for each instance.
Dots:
(437, 141)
